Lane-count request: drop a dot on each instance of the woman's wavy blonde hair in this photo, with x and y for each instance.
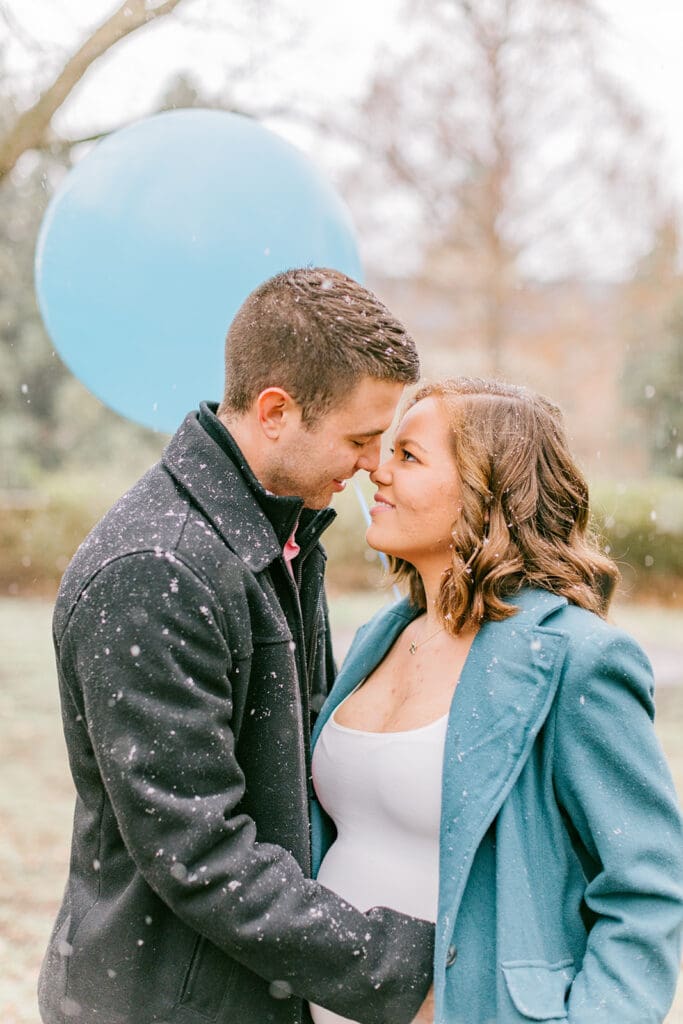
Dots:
(524, 518)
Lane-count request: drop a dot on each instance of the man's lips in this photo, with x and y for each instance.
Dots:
(339, 485)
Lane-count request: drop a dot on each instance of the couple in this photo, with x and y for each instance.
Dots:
(473, 824)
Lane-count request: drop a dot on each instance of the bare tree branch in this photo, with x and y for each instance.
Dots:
(513, 141)
(61, 147)
(31, 129)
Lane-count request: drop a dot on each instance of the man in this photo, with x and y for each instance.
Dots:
(193, 649)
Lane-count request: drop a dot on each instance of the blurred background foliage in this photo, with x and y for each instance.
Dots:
(511, 210)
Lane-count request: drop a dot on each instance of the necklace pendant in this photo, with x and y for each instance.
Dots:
(412, 647)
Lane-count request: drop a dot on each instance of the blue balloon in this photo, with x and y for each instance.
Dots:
(157, 236)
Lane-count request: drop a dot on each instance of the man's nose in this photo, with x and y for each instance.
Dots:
(369, 459)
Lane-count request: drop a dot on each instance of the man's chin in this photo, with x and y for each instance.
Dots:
(318, 502)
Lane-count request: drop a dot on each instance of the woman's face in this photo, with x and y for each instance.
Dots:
(418, 494)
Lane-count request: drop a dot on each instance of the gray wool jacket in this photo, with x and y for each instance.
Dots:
(190, 666)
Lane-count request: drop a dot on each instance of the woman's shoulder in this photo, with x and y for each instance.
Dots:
(582, 624)
(590, 639)
(588, 630)
(600, 650)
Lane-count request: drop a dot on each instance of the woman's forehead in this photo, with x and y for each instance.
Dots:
(427, 418)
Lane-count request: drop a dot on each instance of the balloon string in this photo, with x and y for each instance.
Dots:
(366, 516)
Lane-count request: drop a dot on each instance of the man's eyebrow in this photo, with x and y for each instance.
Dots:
(400, 441)
(367, 433)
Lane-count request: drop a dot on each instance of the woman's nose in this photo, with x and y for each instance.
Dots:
(381, 475)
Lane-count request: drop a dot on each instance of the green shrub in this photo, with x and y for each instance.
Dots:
(641, 524)
(40, 530)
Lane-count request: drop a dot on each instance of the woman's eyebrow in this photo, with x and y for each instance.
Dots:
(406, 440)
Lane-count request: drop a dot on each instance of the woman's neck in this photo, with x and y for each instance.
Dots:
(431, 575)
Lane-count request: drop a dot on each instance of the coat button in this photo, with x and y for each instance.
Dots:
(451, 955)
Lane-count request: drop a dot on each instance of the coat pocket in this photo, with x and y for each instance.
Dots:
(538, 989)
(207, 979)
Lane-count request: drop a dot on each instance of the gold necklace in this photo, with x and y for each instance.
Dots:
(412, 647)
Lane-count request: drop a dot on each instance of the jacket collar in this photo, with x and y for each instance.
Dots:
(253, 523)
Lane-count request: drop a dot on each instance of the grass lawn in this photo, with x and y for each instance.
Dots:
(36, 795)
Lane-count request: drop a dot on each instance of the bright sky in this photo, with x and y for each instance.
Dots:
(343, 38)
(338, 47)
(647, 55)
(337, 44)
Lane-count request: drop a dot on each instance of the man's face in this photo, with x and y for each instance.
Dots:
(315, 462)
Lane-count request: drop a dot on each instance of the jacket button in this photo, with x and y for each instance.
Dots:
(451, 955)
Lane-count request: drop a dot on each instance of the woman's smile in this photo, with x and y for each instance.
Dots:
(382, 504)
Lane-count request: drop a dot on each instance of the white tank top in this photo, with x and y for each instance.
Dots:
(383, 792)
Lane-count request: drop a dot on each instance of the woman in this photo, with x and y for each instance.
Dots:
(486, 758)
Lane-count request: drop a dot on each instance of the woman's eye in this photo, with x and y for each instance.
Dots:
(405, 454)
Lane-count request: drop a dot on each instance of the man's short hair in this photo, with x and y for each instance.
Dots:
(316, 333)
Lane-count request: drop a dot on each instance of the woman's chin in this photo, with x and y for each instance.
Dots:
(374, 539)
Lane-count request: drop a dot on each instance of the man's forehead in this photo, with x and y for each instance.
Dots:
(367, 411)
(375, 432)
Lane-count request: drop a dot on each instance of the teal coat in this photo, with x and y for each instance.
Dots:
(561, 866)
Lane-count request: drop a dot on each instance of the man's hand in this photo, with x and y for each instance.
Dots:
(425, 1015)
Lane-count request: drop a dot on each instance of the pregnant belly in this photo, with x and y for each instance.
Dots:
(403, 879)
(368, 877)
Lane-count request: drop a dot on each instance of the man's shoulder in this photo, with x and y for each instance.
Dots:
(155, 516)
(150, 512)
(201, 522)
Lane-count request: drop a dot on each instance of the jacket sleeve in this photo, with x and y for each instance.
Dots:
(612, 780)
(150, 649)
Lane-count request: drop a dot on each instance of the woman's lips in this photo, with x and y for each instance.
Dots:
(381, 505)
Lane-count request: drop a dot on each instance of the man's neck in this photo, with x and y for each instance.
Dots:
(241, 429)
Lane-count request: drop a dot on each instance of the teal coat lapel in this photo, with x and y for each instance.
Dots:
(370, 645)
(501, 702)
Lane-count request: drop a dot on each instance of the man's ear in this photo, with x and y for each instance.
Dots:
(275, 410)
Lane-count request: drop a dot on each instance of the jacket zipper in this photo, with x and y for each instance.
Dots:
(304, 737)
